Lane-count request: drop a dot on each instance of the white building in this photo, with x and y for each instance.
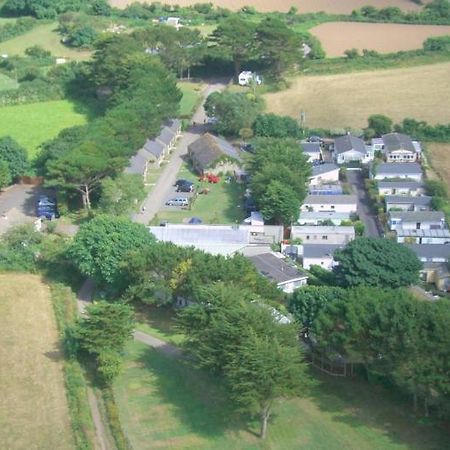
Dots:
(324, 174)
(440, 236)
(319, 255)
(416, 220)
(407, 203)
(409, 188)
(312, 150)
(350, 148)
(319, 218)
(323, 234)
(385, 171)
(400, 148)
(246, 77)
(330, 203)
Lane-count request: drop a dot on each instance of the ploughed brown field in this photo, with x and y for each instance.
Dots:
(336, 37)
(331, 6)
(346, 100)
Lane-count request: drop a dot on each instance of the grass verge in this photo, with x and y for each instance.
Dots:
(191, 98)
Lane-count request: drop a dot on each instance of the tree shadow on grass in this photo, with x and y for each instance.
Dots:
(355, 402)
(234, 210)
(196, 398)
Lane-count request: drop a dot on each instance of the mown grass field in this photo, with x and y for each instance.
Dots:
(439, 155)
(165, 404)
(337, 37)
(191, 97)
(331, 6)
(47, 37)
(33, 406)
(346, 100)
(222, 205)
(7, 83)
(35, 123)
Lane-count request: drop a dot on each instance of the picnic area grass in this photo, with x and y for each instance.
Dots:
(32, 124)
(47, 37)
(33, 409)
(158, 322)
(7, 83)
(222, 205)
(163, 403)
(191, 97)
(347, 100)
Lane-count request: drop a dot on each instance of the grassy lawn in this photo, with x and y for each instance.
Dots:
(47, 37)
(165, 404)
(158, 322)
(191, 97)
(222, 205)
(33, 407)
(7, 83)
(346, 100)
(35, 123)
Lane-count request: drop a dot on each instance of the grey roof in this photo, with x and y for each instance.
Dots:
(323, 215)
(397, 141)
(320, 250)
(429, 251)
(154, 147)
(310, 147)
(339, 199)
(320, 229)
(323, 168)
(400, 184)
(174, 125)
(399, 168)
(349, 142)
(422, 200)
(439, 233)
(166, 136)
(208, 149)
(138, 162)
(276, 269)
(418, 216)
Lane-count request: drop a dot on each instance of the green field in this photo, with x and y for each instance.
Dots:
(222, 205)
(191, 97)
(47, 37)
(35, 123)
(7, 83)
(165, 404)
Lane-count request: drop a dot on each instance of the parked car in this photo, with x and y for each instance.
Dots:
(182, 181)
(46, 212)
(178, 201)
(315, 139)
(185, 188)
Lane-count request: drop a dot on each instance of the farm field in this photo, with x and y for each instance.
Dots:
(45, 36)
(347, 100)
(330, 6)
(336, 37)
(165, 404)
(34, 123)
(440, 160)
(33, 408)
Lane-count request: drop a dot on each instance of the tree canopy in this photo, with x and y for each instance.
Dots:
(15, 156)
(376, 262)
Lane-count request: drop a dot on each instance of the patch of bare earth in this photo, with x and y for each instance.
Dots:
(347, 100)
(33, 407)
(336, 37)
(331, 6)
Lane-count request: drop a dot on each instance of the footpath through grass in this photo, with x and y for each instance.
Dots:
(34, 123)
(165, 404)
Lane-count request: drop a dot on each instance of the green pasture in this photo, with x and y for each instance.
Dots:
(34, 123)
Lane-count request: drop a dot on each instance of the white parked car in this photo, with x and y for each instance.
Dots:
(246, 77)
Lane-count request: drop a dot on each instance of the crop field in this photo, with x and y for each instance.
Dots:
(33, 407)
(336, 37)
(440, 160)
(163, 404)
(47, 37)
(347, 100)
(330, 6)
(32, 124)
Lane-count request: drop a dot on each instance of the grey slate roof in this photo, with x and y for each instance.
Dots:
(349, 142)
(399, 168)
(323, 168)
(397, 141)
(138, 162)
(154, 147)
(418, 216)
(276, 269)
(341, 199)
(439, 233)
(423, 200)
(310, 147)
(429, 251)
(320, 250)
(207, 149)
(166, 136)
(399, 184)
(174, 125)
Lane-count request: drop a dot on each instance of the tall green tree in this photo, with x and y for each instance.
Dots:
(15, 156)
(101, 245)
(380, 124)
(271, 125)
(279, 204)
(376, 262)
(235, 38)
(5, 175)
